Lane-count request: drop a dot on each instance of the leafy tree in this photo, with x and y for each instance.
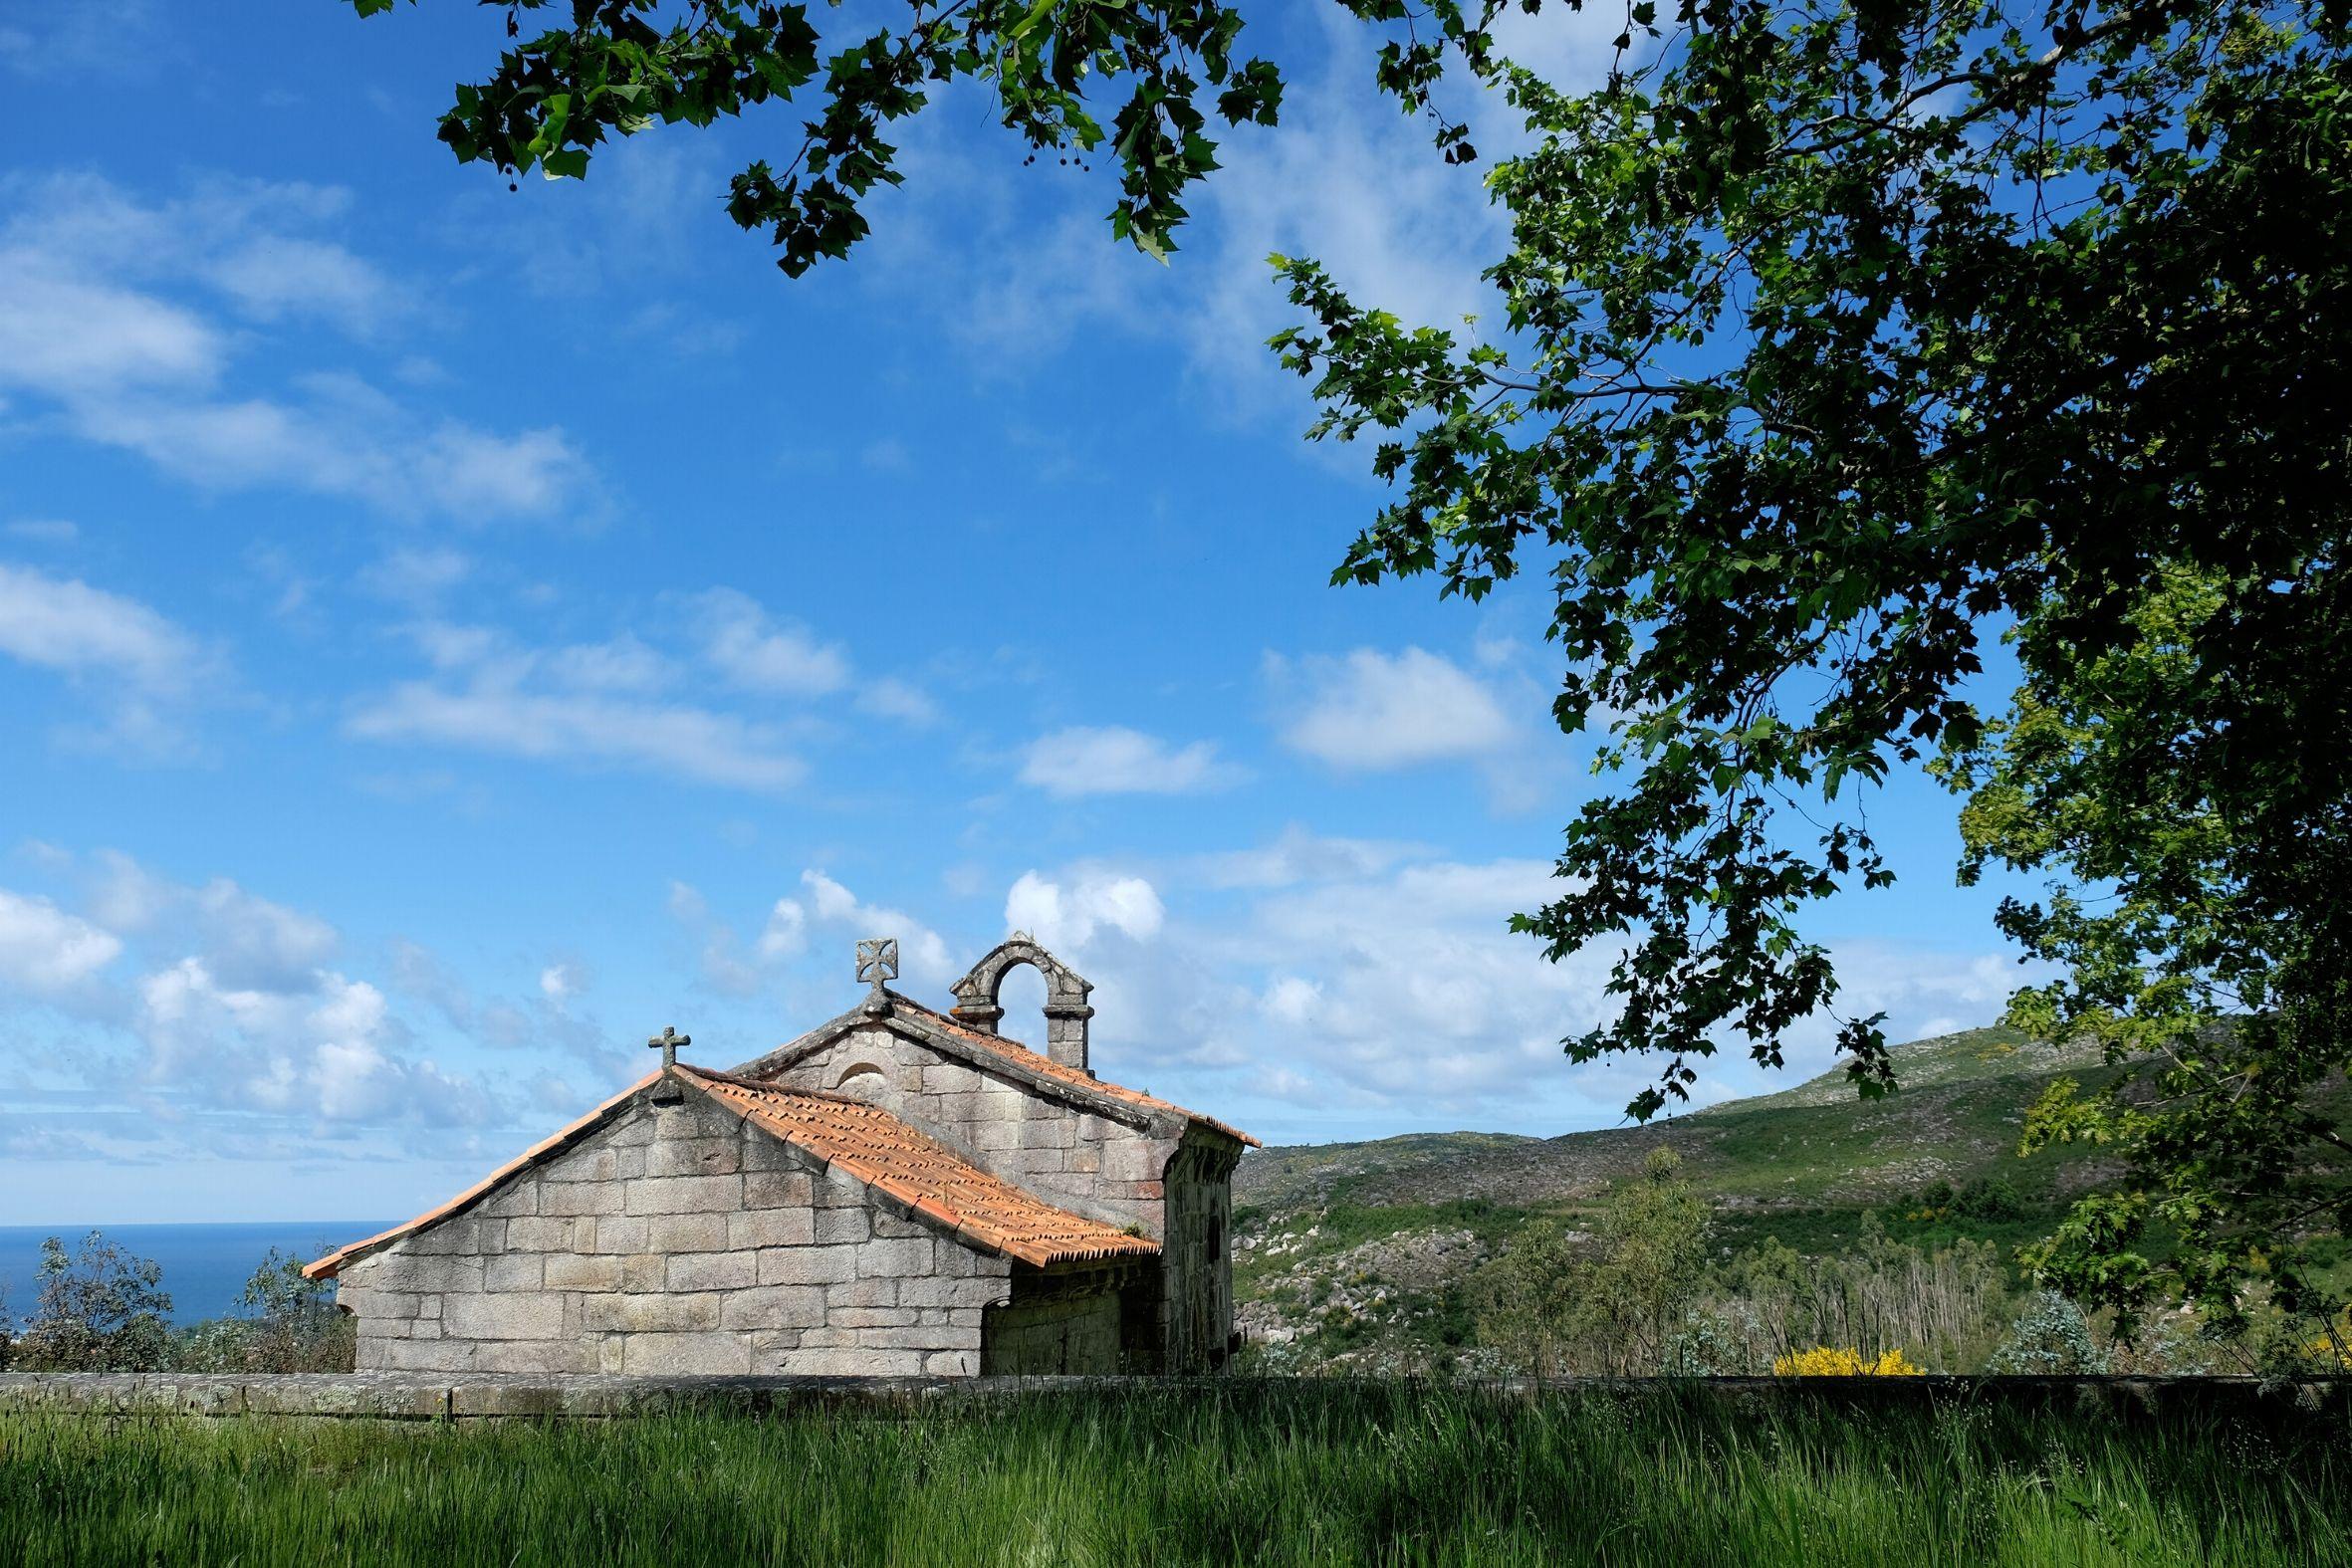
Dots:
(619, 67)
(97, 1309)
(1836, 337)
(1609, 1301)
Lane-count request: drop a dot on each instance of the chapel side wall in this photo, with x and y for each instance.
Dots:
(1196, 1302)
(675, 1239)
(1091, 1165)
(1073, 1336)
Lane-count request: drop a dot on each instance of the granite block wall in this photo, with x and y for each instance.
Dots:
(674, 1239)
(1072, 1334)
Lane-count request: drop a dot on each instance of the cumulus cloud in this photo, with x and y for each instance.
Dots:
(1309, 986)
(1370, 711)
(219, 1012)
(330, 1050)
(249, 939)
(45, 950)
(922, 952)
(821, 906)
(1065, 914)
(1114, 759)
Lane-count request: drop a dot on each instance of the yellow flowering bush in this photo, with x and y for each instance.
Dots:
(1829, 1361)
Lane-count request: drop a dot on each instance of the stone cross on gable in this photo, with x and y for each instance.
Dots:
(667, 1043)
(877, 961)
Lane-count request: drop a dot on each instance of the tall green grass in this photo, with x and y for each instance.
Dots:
(1244, 1474)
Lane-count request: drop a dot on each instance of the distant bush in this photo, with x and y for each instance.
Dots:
(1981, 1198)
(97, 1309)
(284, 1323)
(2051, 1337)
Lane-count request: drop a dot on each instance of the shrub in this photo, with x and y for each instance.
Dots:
(1829, 1361)
(286, 1323)
(2050, 1338)
(99, 1309)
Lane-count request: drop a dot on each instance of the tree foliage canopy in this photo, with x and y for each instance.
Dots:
(1837, 337)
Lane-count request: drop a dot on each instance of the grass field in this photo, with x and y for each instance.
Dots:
(1250, 1474)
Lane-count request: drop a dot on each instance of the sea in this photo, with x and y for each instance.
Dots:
(205, 1266)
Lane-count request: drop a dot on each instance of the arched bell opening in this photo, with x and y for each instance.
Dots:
(979, 1006)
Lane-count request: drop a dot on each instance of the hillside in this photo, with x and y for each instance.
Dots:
(1391, 1231)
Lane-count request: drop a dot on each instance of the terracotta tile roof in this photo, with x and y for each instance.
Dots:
(329, 1267)
(886, 1154)
(1045, 1066)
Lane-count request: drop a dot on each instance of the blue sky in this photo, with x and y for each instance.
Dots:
(447, 635)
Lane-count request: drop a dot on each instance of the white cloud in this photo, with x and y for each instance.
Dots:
(787, 931)
(761, 655)
(331, 440)
(560, 982)
(418, 576)
(1300, 856)
(68, 338)
(664, 740)
(1372, 711)
(1065, 914)
(823, 905)
(622, 664)
(145, 671)
(248, 940)
(109, 310)
(64, 625)
(227, 1021)
(897, 699)
(45, 950)
(593, 703)
(331, 1051)
(922, 952)
(1114, 759)
(43, 531)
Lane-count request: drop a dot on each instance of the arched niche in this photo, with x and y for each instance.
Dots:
(865, 1080)
(1066, 1012)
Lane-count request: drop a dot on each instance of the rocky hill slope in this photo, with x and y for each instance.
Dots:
(1383, 1236)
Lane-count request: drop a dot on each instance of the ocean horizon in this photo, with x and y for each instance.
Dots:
(205, 1265)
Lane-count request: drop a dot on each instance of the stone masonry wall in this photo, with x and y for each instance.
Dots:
(1089, 1164)
(1197, 1304)
(674, 1239)
(1043, 1338)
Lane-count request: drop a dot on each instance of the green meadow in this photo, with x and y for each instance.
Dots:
(1247, 1472)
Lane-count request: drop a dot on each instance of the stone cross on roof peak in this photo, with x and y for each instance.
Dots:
(877, 961)
(667, 1043)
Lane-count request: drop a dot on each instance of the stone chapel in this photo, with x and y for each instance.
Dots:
(897, 1192)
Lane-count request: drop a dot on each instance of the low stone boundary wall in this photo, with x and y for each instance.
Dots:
(418, 1397)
